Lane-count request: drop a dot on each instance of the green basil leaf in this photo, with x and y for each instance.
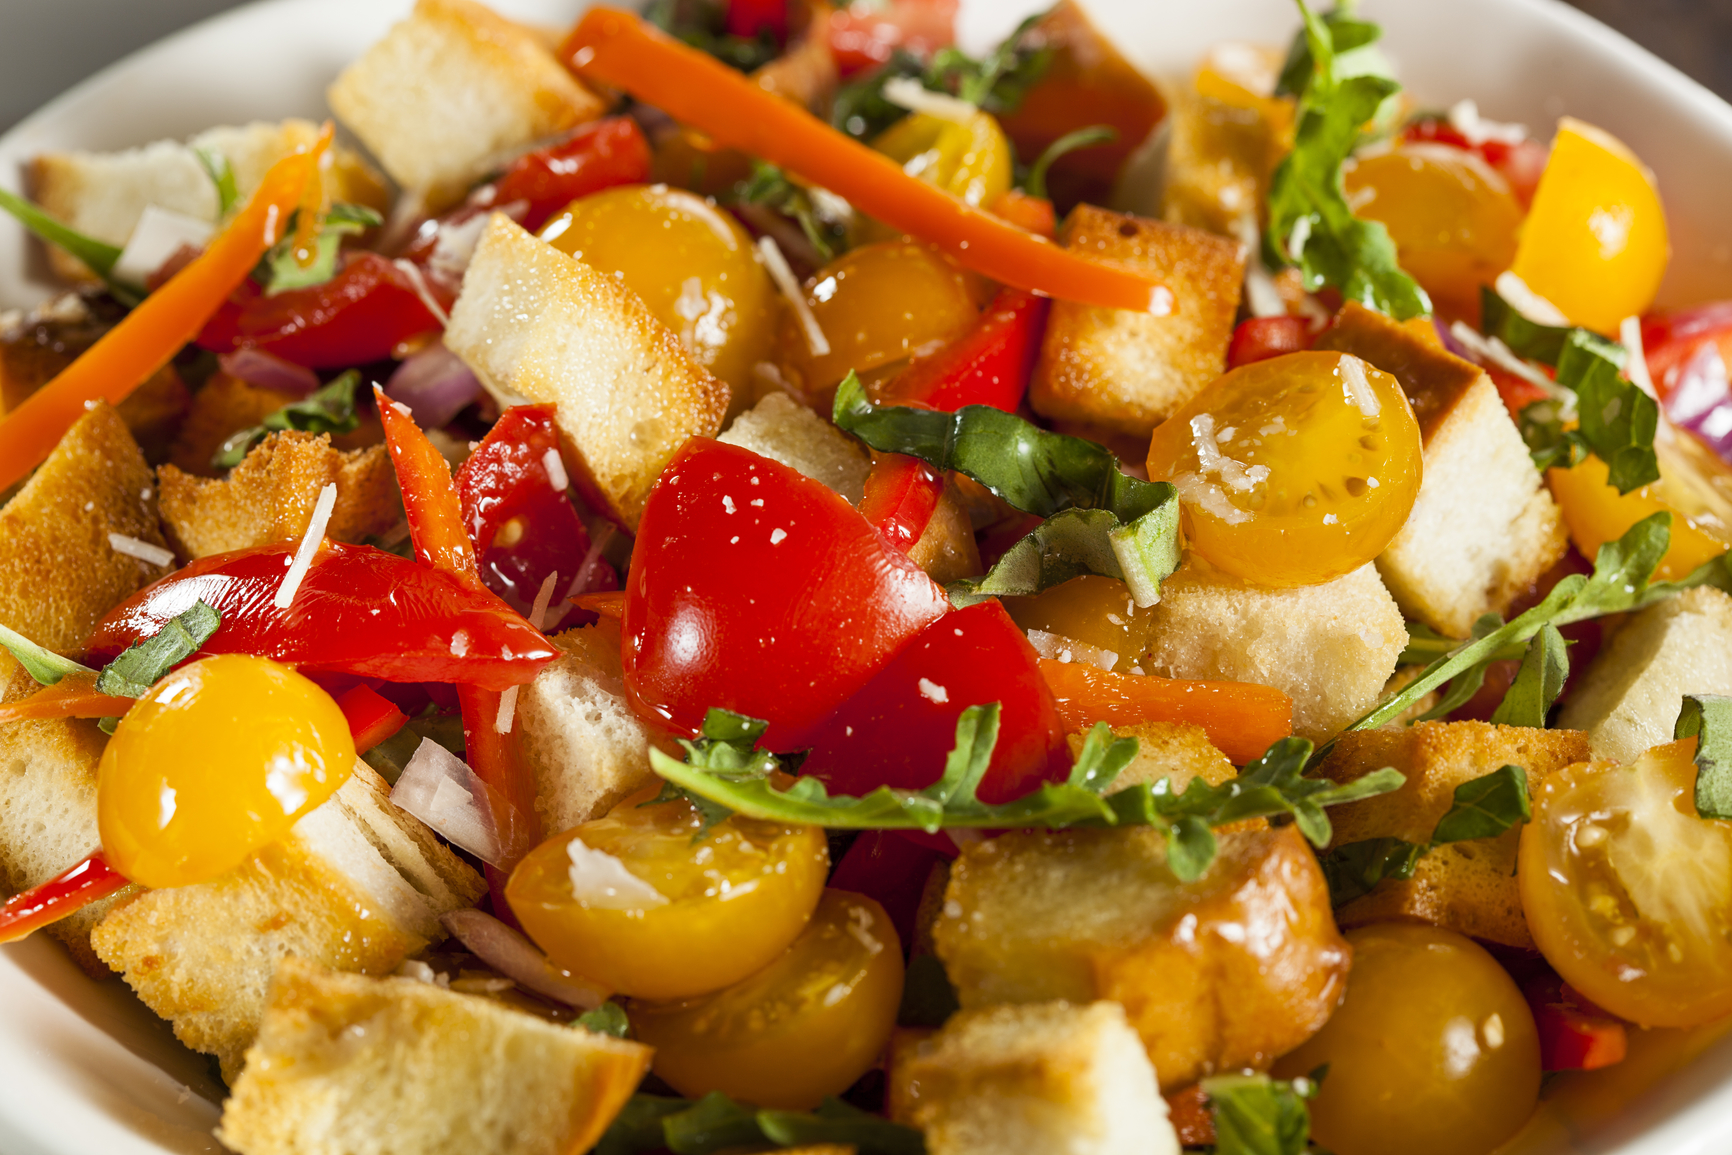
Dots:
(928, 998)
(1034, 184)
(1708, 719)
(98, 256)
(1486, 807)
(607, 1019)
(281, 269)
(1538, 683)
(638, 1126)
(329, 409)
(144, 662)
(222, 175)
(1257, 1115)
(1525, 338)
(1618, 420)
(46, 666)
(1353, 870)
(836, 1122)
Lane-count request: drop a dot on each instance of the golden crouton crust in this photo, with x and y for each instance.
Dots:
(1129, 371)
(226, 405)
(1434, 379)
(270, 496)
(1469, 887)
(947, 550)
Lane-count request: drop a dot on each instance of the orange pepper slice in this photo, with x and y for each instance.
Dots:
(1242, 719)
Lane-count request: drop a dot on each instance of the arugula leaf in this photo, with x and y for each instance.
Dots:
(1347, 34)
(222, 175)
(638, 1126)
(1310, 222)
(329, 409)
(1354, 869)
(1034, 184)
(282, 269)
(98, 256)
(716, 1123)
(713, 1123)
(607, 1019)
(1538, 683)
(1708, 719)
(46, 666)
(1257, 1115)
(145, 661)
(1039, 472)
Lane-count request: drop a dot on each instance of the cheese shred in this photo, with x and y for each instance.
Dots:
(309, 546)
(777, 266)
(142, 550)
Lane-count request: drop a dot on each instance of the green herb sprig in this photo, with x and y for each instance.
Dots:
(718, 1123)
(770, 187)
(281, 268)
(328, 409)
(99, 257)
(1708, 719)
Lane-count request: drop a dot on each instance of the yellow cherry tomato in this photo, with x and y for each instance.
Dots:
(1452, 217)
(1433, 1051)
(1628, 893)
(878, 305)
(806, 1026)
(970, 160)
(217, 760)
(1098, 611)
(1595, 242)
(692, 264)
(1695, 487)
(1294, 470)
(711, 910)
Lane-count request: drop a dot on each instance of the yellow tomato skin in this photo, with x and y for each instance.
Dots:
(1452, 217)
(1595, 241)
(806, 1026)
(1433, 1051)
(1628, 893)
(735, 898)
(1096, 610)
(692, 264)
(218, 759)
(971, 161)
(878, 305)
(1291, 472)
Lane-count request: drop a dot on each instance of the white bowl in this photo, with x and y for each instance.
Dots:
(85, 1069)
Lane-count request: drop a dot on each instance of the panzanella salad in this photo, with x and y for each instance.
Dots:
(736, 578)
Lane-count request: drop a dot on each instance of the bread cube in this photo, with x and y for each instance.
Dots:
(1222, 152)
(1125, 370)
(1330, 647)
(1225, 972)
(1035, 1079)
(270, 496)
(347, 1064)
(103, 195)
(1468, 887)
(1631, 695)
(1176, 751)
(358, 885)
(1483, 526)
(782, 429)
(535, 323)
(947, 550)
(578, 734)
(453, 90)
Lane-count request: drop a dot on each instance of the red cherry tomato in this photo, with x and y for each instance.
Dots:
(863, 35)
(900, 728)
(1260, 338)
(1520, 164)
(359, 610)
(901, 496)
(760, 590)
(359, 315)
(891, 868)
(1575, 1035)
(598, 156)
(751, 18)
(988, 364)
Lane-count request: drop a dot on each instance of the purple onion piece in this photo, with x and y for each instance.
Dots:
(268, 371)
(435, 384)
(1449, 341)
(1701, 401)
(518, 959)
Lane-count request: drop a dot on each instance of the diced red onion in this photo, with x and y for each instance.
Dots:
(441, 790)
(435, 384)
(268, 371)
(518, 959)
(1701, 400)
(1449, 341)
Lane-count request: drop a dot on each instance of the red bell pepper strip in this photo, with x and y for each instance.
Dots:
(620, 50)
(597, 156)
(901, 496)
(372, 718)
(1575, 1035)
(988, 364)
(1242, 719)
(359, 611)
(1260, 338)
(60, 896)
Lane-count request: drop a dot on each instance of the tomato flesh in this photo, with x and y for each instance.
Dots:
(598, 156)
(1260, 338)
(901, 496)
(988, 364)
(760, 590)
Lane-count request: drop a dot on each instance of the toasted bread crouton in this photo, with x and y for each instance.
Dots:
(947, 550)
(1226, 141)
(1176, 751)
(270, 496)
(358, 885)
(1631, 695)
(1483, 526)
(1225, 972)
(1468, 887)
(782, 429)
(535, 323)
(226, 405)
(102, 195)
(1330, 647)
(1128, 371)
(59, 573)
(451, 91)
(577, 732)
(1036, 1079)
(346, 1064)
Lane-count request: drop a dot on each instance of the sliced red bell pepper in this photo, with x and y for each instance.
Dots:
(898, 730)
(901, 496)
(988, 364)
(1575, 1035)
(597, 156)
(372, 717)
(359, 610)
(60, 896)
(1260, 338)
(1242, 719)
(360, 315)
(886, 866)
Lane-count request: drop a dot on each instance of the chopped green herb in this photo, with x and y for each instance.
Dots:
(329, 409)
(1034, 184)
(43, 664)
(1538, 683)
(145, 661)
(98, 256)
(1257, 1115)
(282, 269)
(717, 1123)
(607, 1019)
(1529, 339)
(222, 175)
(703, 25)
(1708, 719)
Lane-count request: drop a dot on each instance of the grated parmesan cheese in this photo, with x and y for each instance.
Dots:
(142, 550)
(1063, 649)
(419, 284)
(1359, 389)
(538, 611)
(507, 710)
(906, 92)
(777, 266)
(556, 475)
(309, 546)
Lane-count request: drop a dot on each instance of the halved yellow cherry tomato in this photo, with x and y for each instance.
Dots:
(217, 760)
(1294, 470)
(1452, 217)
(1433, 1050)
(712, 910)
(1098, 611)
(806, 1026)
(1595, 241)
(1628, 893)
(971, 160)
(692, 264)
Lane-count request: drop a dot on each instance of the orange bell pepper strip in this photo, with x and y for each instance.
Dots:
(71, 697)
(58, 897)
(126, 356)
(607, 604)
(1242, 719)
(619, 50)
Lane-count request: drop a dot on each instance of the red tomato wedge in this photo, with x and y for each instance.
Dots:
(358, 611)
(598, 156)
(901, 727)
(757, 589)
(988, 364)
(1260, 338)
(1242, 719)
(901, 496)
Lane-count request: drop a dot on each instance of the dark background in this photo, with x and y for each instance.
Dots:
(46, 46)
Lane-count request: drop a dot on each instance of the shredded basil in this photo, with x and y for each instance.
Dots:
(329, 409)
(1258, 1115)
(145, 661)
(717, 1123)
(282, 269)
(1708, 719)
